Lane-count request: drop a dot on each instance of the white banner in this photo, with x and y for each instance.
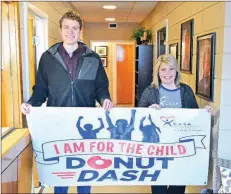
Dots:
(139, 146)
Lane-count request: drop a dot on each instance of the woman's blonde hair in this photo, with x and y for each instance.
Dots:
(166, 59)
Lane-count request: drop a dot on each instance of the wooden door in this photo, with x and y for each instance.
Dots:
(124, 74)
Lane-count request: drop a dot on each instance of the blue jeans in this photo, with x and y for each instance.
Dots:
(80, 189)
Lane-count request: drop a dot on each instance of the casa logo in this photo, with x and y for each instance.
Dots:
(170, 121)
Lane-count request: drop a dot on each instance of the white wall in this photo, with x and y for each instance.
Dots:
(224, 146)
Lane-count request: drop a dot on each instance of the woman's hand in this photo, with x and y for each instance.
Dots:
(210, 109)
(156, 106)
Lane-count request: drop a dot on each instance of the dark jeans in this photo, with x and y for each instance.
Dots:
(80, 189)
(168, 190)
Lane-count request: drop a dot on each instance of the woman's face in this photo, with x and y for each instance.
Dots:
(167, 74)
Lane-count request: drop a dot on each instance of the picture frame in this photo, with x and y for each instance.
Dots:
(173, 50)
(101, 50)
(104, 61)
(186, 46)
(205, 66)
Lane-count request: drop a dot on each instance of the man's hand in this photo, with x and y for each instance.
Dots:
(107, 104)
(25, 108)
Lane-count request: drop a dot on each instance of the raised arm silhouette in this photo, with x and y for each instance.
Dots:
(150, 134)
(121, 130)
(88, 132)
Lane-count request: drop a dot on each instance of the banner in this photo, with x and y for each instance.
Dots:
(124, 146)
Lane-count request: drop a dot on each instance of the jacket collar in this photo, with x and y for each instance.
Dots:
(54, 49)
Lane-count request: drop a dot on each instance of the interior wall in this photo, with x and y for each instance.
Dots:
(225, 106)
(54, 10)
(203, 13)
(208, 17)
(100, 32)
(109, 68)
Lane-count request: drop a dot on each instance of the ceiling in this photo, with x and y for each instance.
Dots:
(131, 11)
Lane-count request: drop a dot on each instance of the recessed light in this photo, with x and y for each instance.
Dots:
(110, 19)
(109, 7)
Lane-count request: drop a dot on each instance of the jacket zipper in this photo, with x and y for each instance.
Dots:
(72, 93)
(72, 82)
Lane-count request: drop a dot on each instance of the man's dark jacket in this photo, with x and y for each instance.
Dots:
(151, 96)
(53, 81)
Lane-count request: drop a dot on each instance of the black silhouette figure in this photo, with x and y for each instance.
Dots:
(167, 122)
(121, 130)
(150, 134)
(89, 132)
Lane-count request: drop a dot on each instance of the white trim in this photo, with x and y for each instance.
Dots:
(162, 25)
(37, 11)
(24, 8)
(156, 49)
(24, 47)
(44, 17)
(40, 39)
(166, 39)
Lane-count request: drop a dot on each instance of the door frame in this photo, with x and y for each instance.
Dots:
(25, 7)
(114, 69)
(162, 25)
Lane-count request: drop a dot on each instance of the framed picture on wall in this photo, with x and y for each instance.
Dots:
(186, 46)
(104, 61)
(173, 50)
(101, 50)
(205, 66)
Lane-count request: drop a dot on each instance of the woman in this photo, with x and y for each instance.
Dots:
(166, 91)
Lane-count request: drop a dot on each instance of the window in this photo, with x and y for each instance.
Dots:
(10, 69)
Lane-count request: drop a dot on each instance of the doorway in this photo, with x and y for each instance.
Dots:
(124, 74)
(34, 41)
(120, 70)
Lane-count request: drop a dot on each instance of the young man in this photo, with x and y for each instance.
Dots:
(70, 75)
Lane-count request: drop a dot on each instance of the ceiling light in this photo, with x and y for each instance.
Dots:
(109, 7)
(110, 19)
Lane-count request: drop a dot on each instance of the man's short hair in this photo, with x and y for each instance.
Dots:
(72, 15)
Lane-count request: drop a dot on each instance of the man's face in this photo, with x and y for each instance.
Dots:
(70, 31)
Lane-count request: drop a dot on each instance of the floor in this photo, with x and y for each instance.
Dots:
(111, 189)
(118, 189)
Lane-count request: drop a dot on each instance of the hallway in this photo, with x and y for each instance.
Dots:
(127, 38)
